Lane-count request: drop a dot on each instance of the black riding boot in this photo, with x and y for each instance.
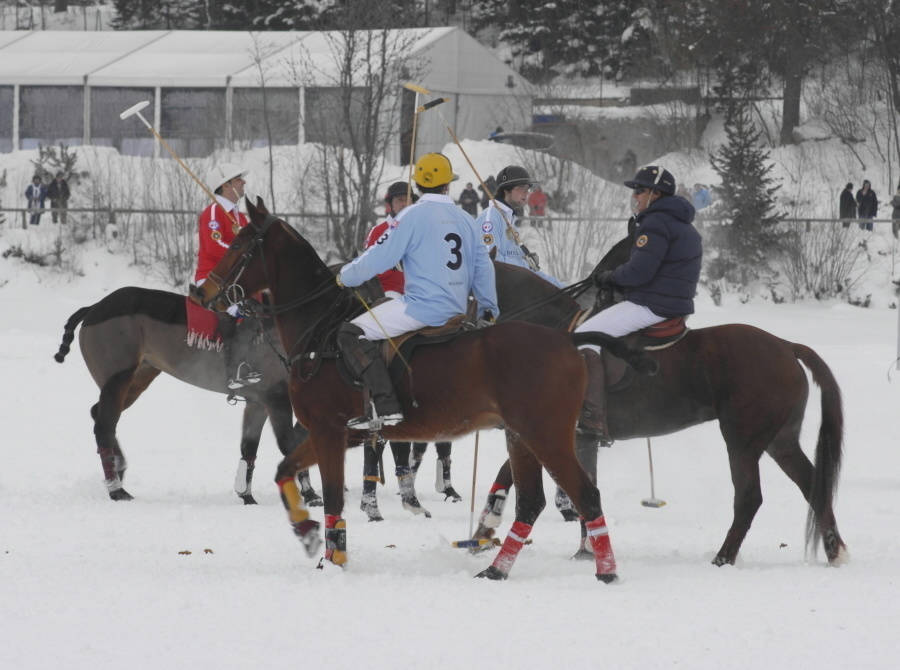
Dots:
(593, 412)
(363, 360)
(238, 336)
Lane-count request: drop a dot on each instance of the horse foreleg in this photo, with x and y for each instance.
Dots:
(406, 478)
(492, 514)
(306, 530)
(254, 419)
(530, 502)
(330, 443)
(371, 459)
(586, 448)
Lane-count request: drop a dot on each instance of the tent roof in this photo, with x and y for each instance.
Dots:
(451, 61)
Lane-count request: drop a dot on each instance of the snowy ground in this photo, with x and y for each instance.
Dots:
(88, 583)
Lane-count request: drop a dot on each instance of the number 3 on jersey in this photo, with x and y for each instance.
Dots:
(455, 246)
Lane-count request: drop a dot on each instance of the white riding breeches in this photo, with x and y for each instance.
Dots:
(388, 319)
(618, 320)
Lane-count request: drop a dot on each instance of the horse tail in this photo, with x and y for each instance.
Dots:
(636, 358)
(69, 333)
(829, 448)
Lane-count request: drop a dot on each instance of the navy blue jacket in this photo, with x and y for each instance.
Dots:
(664, 267)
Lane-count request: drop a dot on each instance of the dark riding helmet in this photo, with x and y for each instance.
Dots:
(398, 188)
(655, 177)
(512, 176)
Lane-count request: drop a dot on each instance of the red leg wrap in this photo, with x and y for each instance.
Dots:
(512, 545)
(598, 534)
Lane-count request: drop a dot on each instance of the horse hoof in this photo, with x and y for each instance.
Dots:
(369, 505)
(412, 504)
(610, 578)
(720, 560)
(493, 574)
(583, 555)
(248, 499)
(451, 493)
(569, 514)
(313, 499)
(308, 534)
(120, 494)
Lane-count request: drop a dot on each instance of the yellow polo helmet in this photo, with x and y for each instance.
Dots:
(433, 170)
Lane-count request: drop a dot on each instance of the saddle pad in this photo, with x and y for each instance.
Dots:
(202, 323)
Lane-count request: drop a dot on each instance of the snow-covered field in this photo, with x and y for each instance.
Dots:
(88, 583)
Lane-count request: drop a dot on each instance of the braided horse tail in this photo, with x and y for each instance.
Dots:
(69, 333)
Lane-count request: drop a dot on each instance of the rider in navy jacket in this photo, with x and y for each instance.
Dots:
(664, 267)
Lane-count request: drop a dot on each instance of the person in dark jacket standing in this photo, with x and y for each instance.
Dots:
(58, 191)
(36, 194)
(848, 205)
(895, 214)
(469, 200)
(868, 204)
(658, 282)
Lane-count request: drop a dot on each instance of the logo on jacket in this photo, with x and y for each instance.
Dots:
(213, 225)
(488, 239)
(487, 226)
(641, 241)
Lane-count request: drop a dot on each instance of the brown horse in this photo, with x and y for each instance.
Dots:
(747, 379)
(527, 378)
(132, 335)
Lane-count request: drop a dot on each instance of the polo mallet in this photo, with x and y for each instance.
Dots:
(652, 501)
(490, 195)
(135, 110)
(415, 88)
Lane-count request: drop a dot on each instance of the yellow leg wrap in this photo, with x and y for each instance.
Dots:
(338, 542)
(371, 478)
(293, 501)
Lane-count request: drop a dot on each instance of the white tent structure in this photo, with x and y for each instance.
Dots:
(206, 88)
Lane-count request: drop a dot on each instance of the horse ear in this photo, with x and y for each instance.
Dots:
(260, 204)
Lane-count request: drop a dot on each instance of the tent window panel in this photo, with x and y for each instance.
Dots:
(6, 119)
(326, 109)
(193, 120)
(129, 136)
(51, 115)
(255, 116)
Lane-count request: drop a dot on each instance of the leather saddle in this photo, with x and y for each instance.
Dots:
(620, 375)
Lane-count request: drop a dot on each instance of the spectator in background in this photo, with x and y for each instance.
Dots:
(867, 203)
(847, 205)
(469, 199)
(627, 164)
(59, 198)
(702, 198)
(683, 191)
(36, 193)
(491, 184)
(895, 215)
(537, 205)
(496, 132)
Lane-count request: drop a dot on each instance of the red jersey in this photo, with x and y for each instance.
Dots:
(217, 230)
(537, 203)
(393, 279)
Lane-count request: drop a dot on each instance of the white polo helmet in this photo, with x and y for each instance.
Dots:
(223, 172)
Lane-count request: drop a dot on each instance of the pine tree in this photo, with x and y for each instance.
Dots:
(749, 233)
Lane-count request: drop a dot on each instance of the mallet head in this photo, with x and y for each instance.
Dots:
(416, 88)
(653, 502)
(135, 109)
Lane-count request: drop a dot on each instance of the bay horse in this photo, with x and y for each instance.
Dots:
(528, 378)
(132, 335)
(746, 378)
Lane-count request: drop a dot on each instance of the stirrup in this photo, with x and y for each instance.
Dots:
(241, 380)
(375, 423)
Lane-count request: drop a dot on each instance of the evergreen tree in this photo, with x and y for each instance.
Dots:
(571, 37)
(159, 14)
(748, 236)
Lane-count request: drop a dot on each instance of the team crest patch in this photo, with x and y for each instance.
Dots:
(213, 225)
(641, 241)
(393, 224)
(216, 235)
(487, 226)
(488, 239)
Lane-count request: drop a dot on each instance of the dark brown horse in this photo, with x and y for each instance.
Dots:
(747, 379)
(527, 378)
(132, 335)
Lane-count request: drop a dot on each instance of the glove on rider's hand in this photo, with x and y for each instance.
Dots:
(603, 278)
(487, 320)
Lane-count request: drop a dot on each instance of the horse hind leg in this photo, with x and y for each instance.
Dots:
(743, 459)
(795, 464)
(117, 394)
(251, 430)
